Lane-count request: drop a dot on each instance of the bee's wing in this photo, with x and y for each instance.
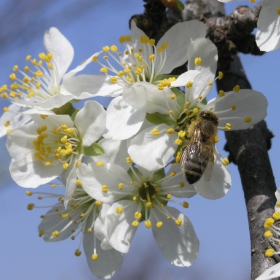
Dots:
(209, 169)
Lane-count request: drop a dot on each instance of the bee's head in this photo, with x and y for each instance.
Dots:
(209, 116)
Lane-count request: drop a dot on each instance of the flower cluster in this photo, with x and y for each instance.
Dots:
(267, 37)
(124, 166)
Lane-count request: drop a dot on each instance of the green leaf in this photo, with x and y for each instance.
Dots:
(180, 5)
(157, 118)
(66, 109)
(92, 150)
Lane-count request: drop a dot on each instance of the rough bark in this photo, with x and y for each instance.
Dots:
(248, 148)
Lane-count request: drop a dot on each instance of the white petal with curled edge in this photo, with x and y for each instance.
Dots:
(90, 121)
(94, 176)
(119, 226)
(179, 244)
(177, 185)
(87, 86)
(108, 262)
(153, 152)
(277, 195)
(53, 222)
(56, 101)
(176, 52)
(17, 116)
(184, 78)
(270, 273)
(219, 183)
(61, 48)
(123, 121)
(245, 102)
(147, 98)
(268, 33)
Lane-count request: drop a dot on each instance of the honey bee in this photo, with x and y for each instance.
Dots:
(198, 155)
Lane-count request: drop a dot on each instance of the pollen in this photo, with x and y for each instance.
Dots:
(278, 11)
(30, 206)
(189, 84)
(94, 257)
(182, 184)
(216, 139)
(171, 112)
(77, 253)
(268, 234)
(148, 224)
(186, 204)
(95, 58)
(135, 223)
(121, 186)
(155, 132)
(269, 252)
(182, 134)
(113, 80)
(119, 210)
(6, 109)
(29, 193)
(178, 141)
(247, 120)
(79, 183)
(210, 83)
(221, 75)
(137, 215)
(276, 216)
(178, 222)
(105, 48)
(228, 126)
(103, 70)
(56, 234)
(170, 130)
(169, 196)
(225, 162)
(221, 93)
(128, 160)
(100, 163)
(152, 57)
(105, 188)
(197, 61)
(172, 96)
(233, 107)
(236, 88)
(7, 123)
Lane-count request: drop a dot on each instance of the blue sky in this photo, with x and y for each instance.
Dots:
(220, 225)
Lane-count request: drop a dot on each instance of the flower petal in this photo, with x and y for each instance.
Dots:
(157, 149)
(270, 273)
(241, 109)
(108, 262)
(61, 49)
(179, 37)
(179, 244)
(267, 37)
(87, 86)
(123, 121)
(219, 183)
(90, 121)
(119, 226)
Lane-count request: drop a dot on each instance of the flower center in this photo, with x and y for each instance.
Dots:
(136, 65)
(34, 86)
(58, 145)
(147, 191)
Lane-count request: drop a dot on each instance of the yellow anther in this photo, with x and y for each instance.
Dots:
(276, 216)
(216, 139)
(170, 130)
(13, 76)
(89, 230)
(178, 141)
(278, 11)
(159, 224)
(171, 112)
(252, 1)
(56, 234)
(182, 184)
(41, 233)
(148, 224)
(236, 88)
(127, 71)
(38, 74)
(186, 204)
(268, 234)
(134, 198)
(77, 252)
(34, 62)
(188, 103)
(105, 57)
(195, 110)
(169, 196)
(103, 70)
(95, 58)
(137, 215)
(105, 188)
(114, 48)
(160, 86)
(120, 74)
(28, 57)
(152, 57)
(178, 222)
(121, 186)
(132, 183)
(148, 204)
(6, 109)
(173, 173)
(233, 107)
(228, 126)
(7, 123)
(47, 163)
(42, 56)
(144, 39)
(127, 38)
(113, 80)
(98, 203)
(65, 165)
(53, 185)
(269, 252)
(155, 132)
(29, 193)
(225, 162)
(172, 96)
(78, 163)
(189, 84)
(128, 160)
(248, 119)
(135, 223)
(79, 183)
(182, 133)
(197, 61)
(221, 93)
(152, 42)
(210, 83)
(119, 210)
(100, 163)
(94, 257)
(105, 48)
(122, 39)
